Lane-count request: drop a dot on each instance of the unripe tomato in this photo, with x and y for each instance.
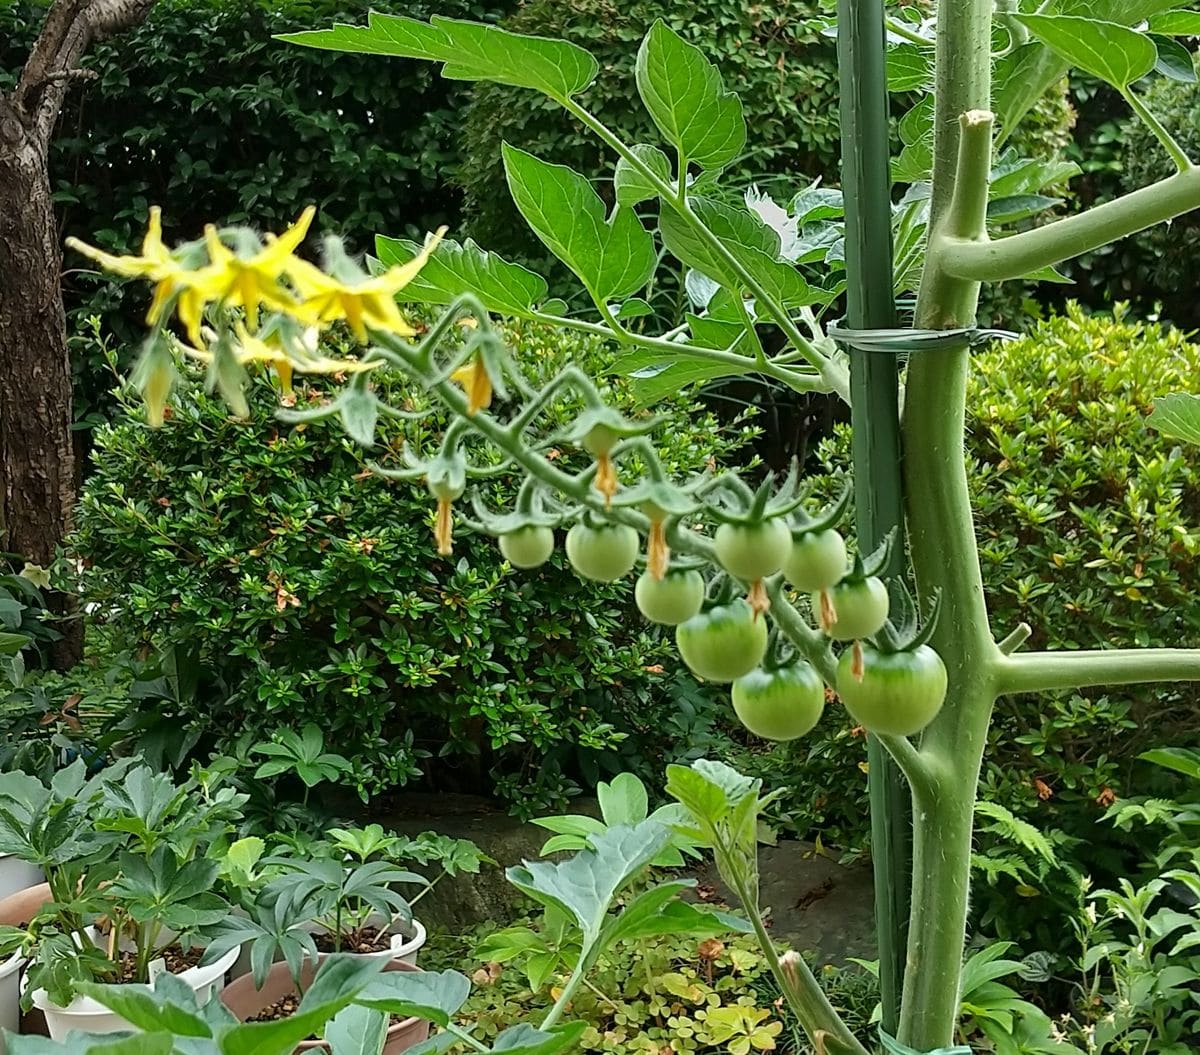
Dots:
(671, 600)
(753, 551)
(723, 643)
(528, 547)
(855, 608)
(817, 560)
(898, 692)
(779, 704)
(604, 553)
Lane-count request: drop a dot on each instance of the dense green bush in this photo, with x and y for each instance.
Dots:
(300, 588)
(201, 112)
(1089, 529)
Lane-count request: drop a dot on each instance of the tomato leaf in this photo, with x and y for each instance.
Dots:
(613, 258)
(1177, 416)
(631, 186)
(1174, 60)
(471, 51)
(688, 100)
(454, 269)
(1113, 53)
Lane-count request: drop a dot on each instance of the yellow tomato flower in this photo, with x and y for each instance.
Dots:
(476, 382)
(158, 265)
(370, 302)
(250, 348)
(253, 281)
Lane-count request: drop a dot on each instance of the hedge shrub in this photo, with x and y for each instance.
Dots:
(1089, 530)
(201, 112)
(307, 590)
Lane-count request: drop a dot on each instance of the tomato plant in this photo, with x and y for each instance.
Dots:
(855, 608)
(755, 550)
(528, 547)
(898, 693)
(604, 552)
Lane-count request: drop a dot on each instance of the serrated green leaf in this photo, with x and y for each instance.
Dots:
(614, 258)
(435, 996)
(746, 237)
(1114, 53)
(1177, 416)
(687, 99)
(631, 186)
(909, 67)
(471, 51)
(357, 1030)
(454, 269)
(1019, 207)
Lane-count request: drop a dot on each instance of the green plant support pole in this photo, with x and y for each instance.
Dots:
(875, 418)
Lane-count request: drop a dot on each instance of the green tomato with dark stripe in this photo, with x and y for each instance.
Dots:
(724, 642)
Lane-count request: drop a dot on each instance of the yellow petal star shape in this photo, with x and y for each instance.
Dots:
(367, 303)
(156, 263)
(252, 349)
(249, 282)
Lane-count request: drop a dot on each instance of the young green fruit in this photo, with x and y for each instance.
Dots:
(779, 704)
(753, 551)
(817, 560)
(853, 609)
(897, 693)
(528, 547)
(724, 642)
(604, 553)
(671, 600)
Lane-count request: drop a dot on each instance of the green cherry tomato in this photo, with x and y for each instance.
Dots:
(853, 609)
(723, 643)
(671, 600)
(817, 560)
(753, 551)
(895, 692)
(779, 704)
(528, 547)
(604, 553)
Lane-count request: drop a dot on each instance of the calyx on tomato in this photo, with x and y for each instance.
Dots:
(598, 430)
(602, 552)
(780, 703)
(723, 642)
(527, 533)
(671, 600)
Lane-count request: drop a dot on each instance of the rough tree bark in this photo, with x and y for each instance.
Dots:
(37, 462)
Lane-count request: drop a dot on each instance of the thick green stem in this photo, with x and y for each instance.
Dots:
(945, 558)
(1021, 254)
(1046, 671)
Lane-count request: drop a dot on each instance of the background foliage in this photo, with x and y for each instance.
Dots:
(290, 586)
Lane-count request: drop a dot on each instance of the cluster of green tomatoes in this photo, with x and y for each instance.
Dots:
(890, 680)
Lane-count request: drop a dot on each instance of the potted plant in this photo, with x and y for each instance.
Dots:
(131, 887)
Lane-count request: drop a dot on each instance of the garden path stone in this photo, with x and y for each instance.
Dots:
(816, 904)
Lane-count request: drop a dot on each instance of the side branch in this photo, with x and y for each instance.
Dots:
(1021, 254)
(1047, 671)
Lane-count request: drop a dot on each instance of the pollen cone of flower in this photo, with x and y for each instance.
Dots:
(857, 667)
(757, 598)
(369, 302)
(443, 528)
(254, 281)
(658, 553)
(606, 477)
(827, 615)
(477, 383)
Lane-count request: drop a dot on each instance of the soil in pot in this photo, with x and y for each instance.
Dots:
(363, 940)
(176, 958)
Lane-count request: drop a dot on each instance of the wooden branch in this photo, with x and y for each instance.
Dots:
(71, 27)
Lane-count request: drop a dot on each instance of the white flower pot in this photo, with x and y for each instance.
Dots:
(90, 1016)
(403, 949)
(17, 875)
(10, 996)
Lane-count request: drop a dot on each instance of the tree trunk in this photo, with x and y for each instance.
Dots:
(37, 458)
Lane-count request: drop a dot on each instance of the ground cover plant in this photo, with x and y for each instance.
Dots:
(781, 598)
